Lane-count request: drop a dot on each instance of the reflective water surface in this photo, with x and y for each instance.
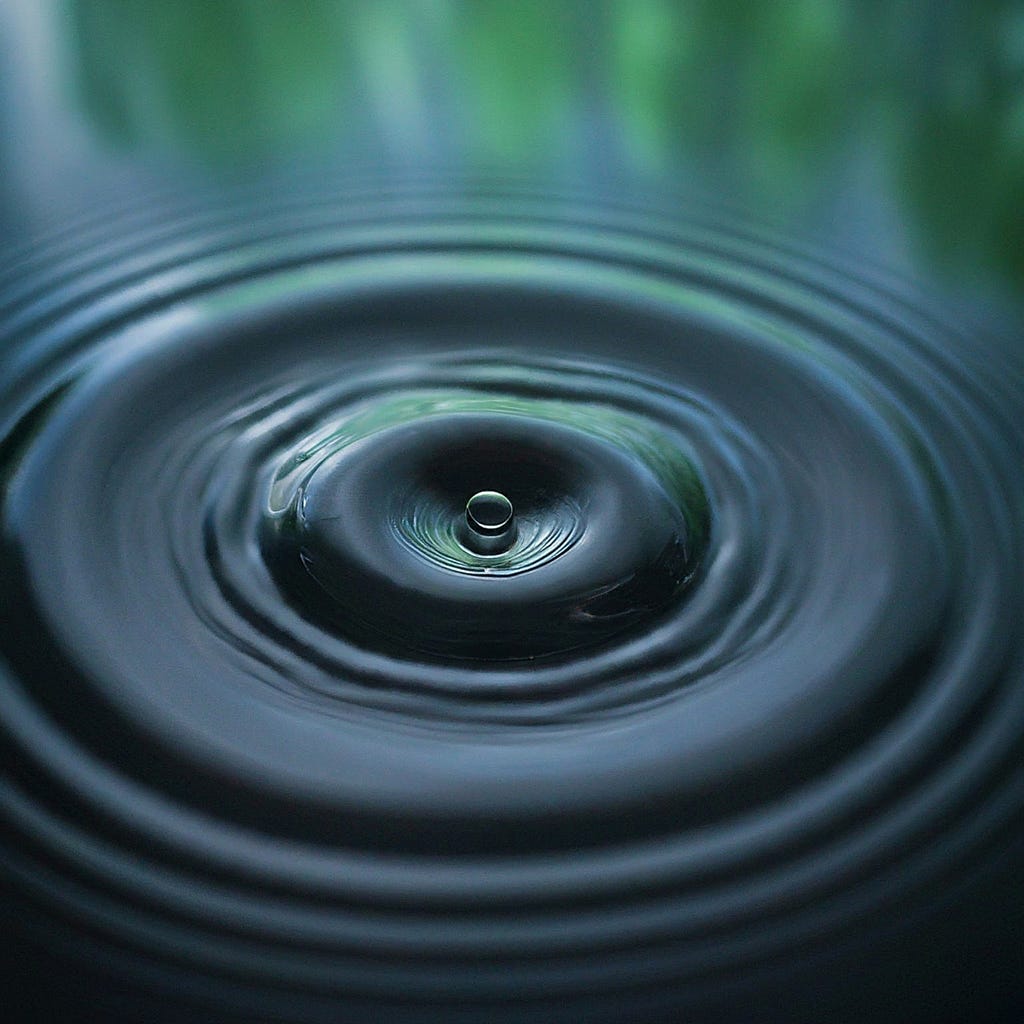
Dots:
(725, 725)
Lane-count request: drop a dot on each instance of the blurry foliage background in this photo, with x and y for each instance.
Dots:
(903, 121)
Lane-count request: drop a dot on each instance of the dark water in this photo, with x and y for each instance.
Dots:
(726, 725)
(732, 729)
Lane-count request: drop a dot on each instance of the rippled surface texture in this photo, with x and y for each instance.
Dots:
(731, 730)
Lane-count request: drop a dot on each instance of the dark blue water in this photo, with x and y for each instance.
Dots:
(731, 729)
(725, 301)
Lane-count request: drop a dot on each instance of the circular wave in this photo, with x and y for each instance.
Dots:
(739, 704)
(599, 503)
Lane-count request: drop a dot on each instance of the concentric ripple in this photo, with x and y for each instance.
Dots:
(738, 706)
(601, 506)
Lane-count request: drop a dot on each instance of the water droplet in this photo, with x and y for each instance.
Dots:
(490, 517)
(489, 512)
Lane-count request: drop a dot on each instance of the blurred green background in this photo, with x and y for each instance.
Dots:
(894, 128)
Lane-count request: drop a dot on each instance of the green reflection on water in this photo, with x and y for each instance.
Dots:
(516, 77)
(217, 78)
(922, 105)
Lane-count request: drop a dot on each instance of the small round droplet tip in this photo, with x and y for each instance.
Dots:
(489, 512)
(491, 521)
